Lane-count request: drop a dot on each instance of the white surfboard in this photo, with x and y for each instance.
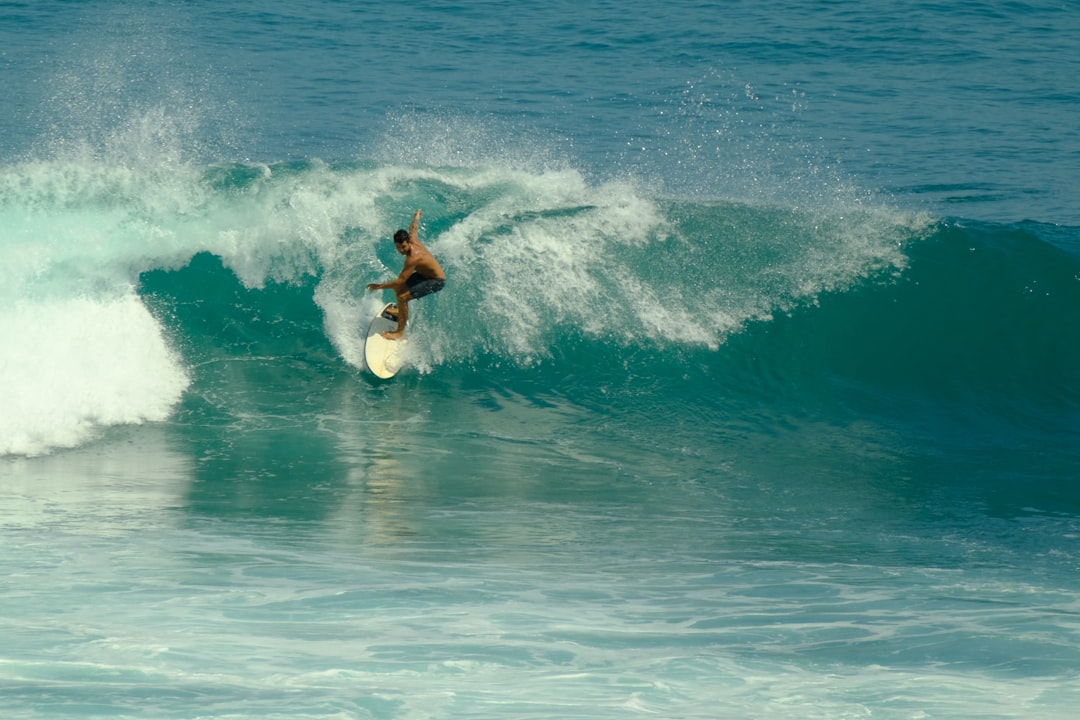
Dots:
(383, 357)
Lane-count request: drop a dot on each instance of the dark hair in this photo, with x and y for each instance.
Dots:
(401, 236)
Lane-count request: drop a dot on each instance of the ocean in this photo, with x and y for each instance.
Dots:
(754, 391)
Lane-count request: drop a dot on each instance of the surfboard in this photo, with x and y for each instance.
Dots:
(381, 355)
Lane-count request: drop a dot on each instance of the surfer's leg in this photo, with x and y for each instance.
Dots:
(403, 312)
(402, 317)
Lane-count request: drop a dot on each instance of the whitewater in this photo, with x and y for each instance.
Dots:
(754, 390)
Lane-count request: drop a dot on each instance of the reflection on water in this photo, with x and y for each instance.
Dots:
(120, 484)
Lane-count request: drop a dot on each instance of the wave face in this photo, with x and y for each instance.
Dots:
(121, 288)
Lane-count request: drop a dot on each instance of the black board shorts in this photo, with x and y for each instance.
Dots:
(419, 286)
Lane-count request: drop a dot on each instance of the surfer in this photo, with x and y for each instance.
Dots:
(421, 275)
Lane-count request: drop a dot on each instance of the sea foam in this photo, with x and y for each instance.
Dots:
(72, 367)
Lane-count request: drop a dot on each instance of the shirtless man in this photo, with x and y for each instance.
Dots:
(422, 274)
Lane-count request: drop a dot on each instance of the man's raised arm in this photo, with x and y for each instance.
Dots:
(414, 229)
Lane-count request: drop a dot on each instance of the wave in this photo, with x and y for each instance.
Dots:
(978, 329)
(121, 287)
(980, 308)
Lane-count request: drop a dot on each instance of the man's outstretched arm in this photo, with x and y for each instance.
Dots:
(414, 228)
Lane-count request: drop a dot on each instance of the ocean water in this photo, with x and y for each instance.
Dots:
(754, 391)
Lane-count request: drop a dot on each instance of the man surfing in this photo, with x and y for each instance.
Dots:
(421, 275)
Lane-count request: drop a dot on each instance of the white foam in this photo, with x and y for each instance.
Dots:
(346, 317)
(70, 367)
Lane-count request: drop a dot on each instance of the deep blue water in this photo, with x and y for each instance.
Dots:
(754, 390)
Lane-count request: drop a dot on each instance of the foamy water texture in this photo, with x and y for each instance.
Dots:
(72, 367)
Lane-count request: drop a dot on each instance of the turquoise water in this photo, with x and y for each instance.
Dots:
(754, 390)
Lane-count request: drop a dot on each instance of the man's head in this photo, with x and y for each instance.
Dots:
(401, 240)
